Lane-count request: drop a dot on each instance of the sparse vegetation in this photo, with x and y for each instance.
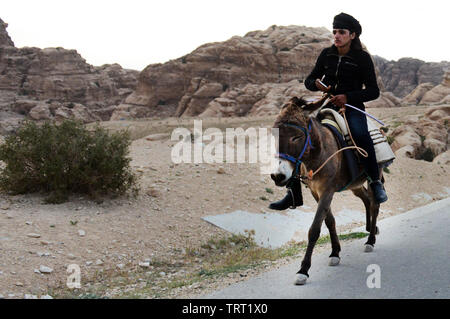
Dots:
(64, 159)
(215, 259)
(422, 139)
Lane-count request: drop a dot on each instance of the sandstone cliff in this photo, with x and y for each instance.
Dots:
(5, 40)
(56, 83)
(186, 86)
(429, 94)
(423, 137)
(250, 75)
(403, 76)
(439, 94)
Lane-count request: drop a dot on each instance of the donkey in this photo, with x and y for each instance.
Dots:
(302, 135)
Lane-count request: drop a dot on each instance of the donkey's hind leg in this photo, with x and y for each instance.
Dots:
(374, 209)
(364, 196)
(371, 215)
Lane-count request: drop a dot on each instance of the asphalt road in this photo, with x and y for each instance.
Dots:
(411, 259)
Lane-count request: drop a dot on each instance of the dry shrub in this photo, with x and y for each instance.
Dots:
(66, 158)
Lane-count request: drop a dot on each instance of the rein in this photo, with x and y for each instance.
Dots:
(297, 161)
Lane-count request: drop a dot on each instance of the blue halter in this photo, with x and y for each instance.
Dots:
(297, 161)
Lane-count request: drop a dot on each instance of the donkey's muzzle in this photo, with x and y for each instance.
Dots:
(279, 179)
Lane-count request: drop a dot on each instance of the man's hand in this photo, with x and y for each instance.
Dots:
(321, 87)
(339, 100)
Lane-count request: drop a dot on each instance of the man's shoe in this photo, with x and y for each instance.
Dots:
(378, 191)
(293, 197)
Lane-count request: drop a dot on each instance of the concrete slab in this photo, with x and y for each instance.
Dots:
(274, 229)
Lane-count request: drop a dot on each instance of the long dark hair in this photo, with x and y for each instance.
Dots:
(356, 44)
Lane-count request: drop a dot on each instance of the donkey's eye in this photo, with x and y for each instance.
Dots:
(294, 138)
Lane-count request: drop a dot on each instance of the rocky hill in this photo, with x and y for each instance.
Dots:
(56, 83)
(256, 73)
(403, 76)
(252, 74)
(5, 40)
(186, 86)
(424, 137)
(427, 93)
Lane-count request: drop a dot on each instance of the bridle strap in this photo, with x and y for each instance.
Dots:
(297, 161)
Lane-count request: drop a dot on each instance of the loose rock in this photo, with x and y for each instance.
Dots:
(99, 262)
(144, 264)
(45, 269)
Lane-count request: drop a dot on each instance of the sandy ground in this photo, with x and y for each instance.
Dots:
(165, 219)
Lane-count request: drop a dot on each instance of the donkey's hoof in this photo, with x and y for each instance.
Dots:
(368, 248)
(334, 261)
(300, 279)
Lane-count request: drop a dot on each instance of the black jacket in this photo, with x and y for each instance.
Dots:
(346, 75)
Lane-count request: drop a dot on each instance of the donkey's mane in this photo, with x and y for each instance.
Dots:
(292, 112)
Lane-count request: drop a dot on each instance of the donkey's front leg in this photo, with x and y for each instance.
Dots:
(313, 234)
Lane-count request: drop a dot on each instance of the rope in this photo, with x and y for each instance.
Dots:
(359, 149)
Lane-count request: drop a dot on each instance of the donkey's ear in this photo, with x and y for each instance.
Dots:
(295, 101)
(311, 107)
(300, 102)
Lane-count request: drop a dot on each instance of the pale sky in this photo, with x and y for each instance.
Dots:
(136, 33)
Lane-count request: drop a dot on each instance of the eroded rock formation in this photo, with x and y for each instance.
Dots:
(186, 86)
(43, 84)
(424, 137)
(403, 76)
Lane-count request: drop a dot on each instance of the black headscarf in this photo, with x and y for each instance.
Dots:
(346, 21)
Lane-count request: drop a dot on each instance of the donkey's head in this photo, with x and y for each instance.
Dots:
(296, 131)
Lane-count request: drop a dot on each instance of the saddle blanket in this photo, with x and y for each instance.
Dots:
(383, 152)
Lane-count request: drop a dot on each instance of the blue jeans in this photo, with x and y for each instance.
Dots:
(357, 123)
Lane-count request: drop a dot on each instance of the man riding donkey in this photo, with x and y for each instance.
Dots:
(341, 71)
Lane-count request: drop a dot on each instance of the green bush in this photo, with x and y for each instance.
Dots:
(66, 158)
